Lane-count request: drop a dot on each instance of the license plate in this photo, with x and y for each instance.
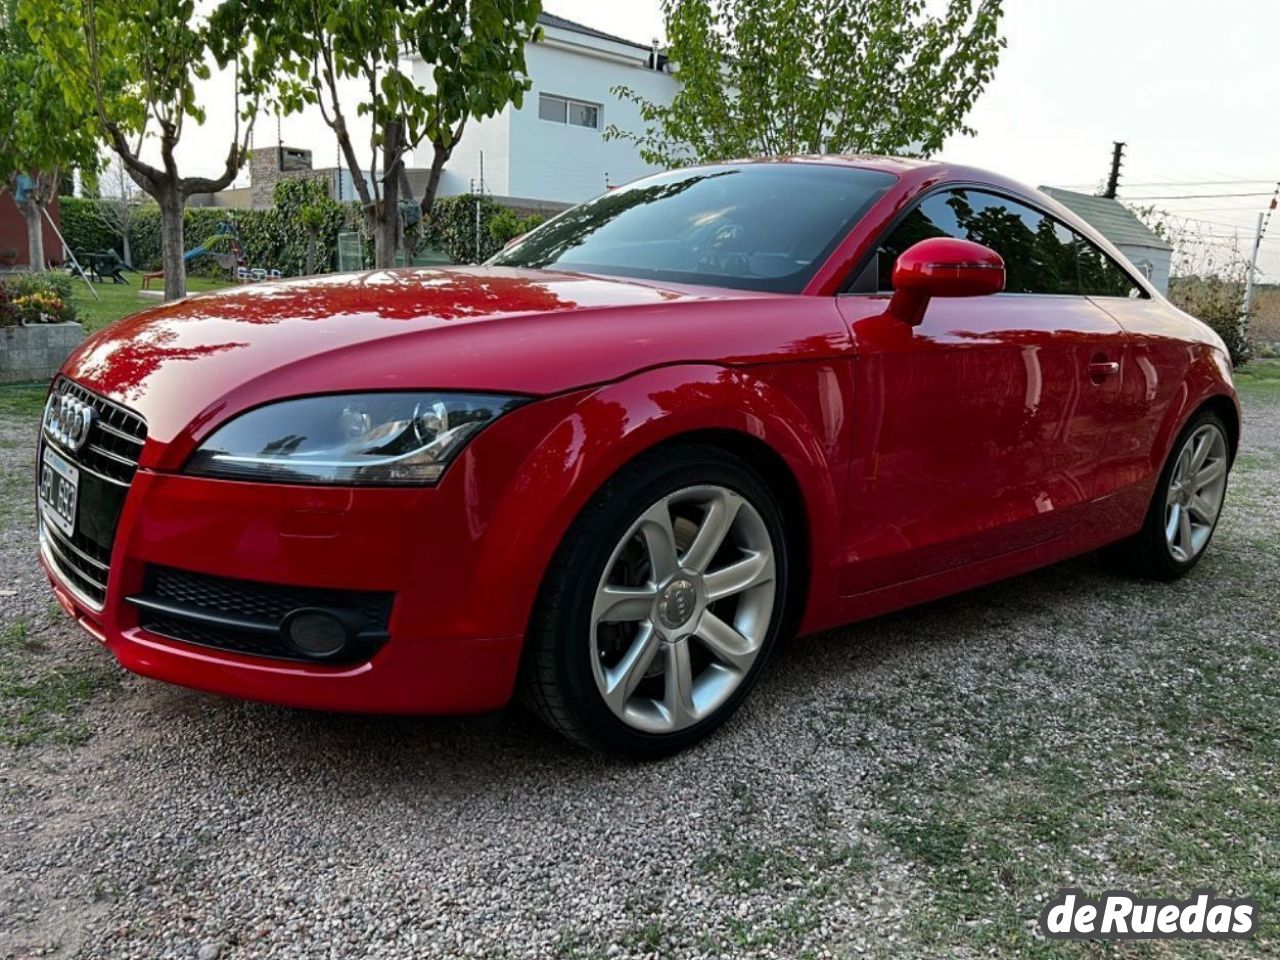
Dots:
(59, 489)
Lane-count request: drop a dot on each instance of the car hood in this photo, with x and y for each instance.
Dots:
(534, 332)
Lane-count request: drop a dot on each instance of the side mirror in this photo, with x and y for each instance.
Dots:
(942, 267)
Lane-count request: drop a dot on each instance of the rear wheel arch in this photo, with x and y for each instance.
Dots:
(1204, 385)
(1226, 409)
(1157, 551)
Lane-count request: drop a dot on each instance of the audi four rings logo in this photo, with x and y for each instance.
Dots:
(68, 420)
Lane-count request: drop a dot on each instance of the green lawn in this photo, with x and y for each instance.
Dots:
(120, 301)
(1261, 376)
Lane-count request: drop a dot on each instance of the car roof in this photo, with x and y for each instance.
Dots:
(914, 167)
(916, 173)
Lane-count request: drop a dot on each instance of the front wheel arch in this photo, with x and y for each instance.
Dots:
(780, 478)
(552, 680)
(595, 433)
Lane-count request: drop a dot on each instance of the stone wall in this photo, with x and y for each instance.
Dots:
(36, 352)
(268, 166)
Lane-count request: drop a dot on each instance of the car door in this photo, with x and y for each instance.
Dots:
(1155, 368)
(978, 432)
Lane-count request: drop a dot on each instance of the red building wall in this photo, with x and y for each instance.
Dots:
(13, 234)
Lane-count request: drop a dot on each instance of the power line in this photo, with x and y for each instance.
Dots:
(1176, 183)
(1200, 196)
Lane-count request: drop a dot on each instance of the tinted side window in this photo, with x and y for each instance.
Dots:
(1039, 253)
(931, 218)
(1100, 276)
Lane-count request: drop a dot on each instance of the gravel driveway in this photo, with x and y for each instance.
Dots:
(916, 786)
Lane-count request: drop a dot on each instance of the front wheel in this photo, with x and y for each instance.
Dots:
(1186, 505)
(661, 604)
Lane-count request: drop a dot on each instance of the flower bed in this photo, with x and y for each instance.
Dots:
(37, 325)
(30, 298)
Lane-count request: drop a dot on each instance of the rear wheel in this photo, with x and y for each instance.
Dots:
(1187, 503)
(661, 605)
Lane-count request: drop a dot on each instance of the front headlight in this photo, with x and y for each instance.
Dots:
(373, 438)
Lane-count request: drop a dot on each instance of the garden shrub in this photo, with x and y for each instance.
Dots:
(274, 239)
(1219, 302)
(452, 227)
(506, 225)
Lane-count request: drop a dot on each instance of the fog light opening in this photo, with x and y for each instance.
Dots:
(316, 633)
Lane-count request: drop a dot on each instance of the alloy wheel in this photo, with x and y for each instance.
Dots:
(683, 608)
(1196, 491)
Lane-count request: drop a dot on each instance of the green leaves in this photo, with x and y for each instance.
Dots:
(41, 128)
(475, 49)
(777, 77)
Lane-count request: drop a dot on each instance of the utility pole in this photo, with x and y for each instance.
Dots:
(1253, 268)
(1113, 181)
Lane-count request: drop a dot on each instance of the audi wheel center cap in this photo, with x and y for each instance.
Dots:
(677, 603)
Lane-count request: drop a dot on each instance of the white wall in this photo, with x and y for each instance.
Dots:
(531, 158)
(556, 161)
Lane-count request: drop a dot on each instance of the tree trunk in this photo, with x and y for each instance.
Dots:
(385, 240)
(172, 203)
(438, 160)
(384, 237)
(126, 252)
(35, 231)
(311, 252)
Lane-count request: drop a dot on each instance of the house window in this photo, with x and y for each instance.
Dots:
(552, 108)
(577, 113)
(584, 115)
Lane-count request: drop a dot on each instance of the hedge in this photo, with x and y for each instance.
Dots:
(273, 239)
(84, 230)
(453, 227)
(276, 239)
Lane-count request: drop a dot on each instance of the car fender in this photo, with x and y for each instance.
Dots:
(1208, 376)
(611, 425)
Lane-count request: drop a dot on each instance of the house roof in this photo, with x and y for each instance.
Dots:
(1111, 218)
(562, 23)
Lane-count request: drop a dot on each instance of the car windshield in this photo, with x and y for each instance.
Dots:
(753, 226)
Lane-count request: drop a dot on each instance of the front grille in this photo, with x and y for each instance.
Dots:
(107, 464)
(115, 439)
(245, 616)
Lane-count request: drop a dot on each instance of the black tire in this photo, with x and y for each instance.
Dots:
(556, 681)
(1148, 553)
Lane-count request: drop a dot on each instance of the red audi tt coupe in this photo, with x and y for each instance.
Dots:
(608, 469)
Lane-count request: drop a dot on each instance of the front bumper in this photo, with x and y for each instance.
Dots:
(445, 653)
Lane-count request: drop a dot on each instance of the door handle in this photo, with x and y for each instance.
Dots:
(1099, 370)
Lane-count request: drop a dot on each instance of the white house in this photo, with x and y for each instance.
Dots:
(553, 148)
